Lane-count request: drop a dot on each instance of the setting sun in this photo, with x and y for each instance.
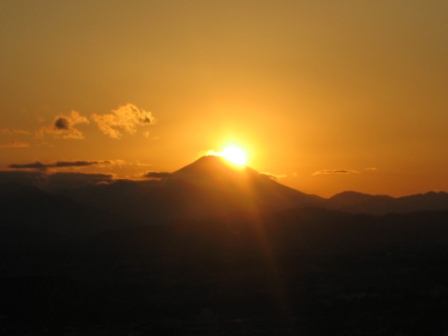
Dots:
(234, 155)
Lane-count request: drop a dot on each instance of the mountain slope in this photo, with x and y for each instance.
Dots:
(209, 187)
(212, 186)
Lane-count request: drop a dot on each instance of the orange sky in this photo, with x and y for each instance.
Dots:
(327, 95)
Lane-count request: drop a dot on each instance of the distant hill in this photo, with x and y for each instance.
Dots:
(354, 202)
(38, 213)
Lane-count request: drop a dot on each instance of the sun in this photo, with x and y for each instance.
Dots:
(235, 155)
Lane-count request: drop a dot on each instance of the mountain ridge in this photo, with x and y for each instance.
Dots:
(355, 202)
(212, 187)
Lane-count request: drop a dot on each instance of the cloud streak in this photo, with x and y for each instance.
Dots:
(335, 171)
(274, 176)
(123, 120)
(15, 144)
(14, 131)
(56, 180)
(65, 126)
(59, 164)
(156, 175)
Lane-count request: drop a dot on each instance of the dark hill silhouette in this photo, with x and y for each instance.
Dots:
(354, 202)
(37, 211)
(353, 198)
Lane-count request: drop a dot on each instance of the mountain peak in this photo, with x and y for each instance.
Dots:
(210, 166)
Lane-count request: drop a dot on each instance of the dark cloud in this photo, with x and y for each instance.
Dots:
(53, 181)
(35, 165)
(65, 126)
(62, 123)
(78, 163)
(156, 175)
(59, 164)
(335, 171)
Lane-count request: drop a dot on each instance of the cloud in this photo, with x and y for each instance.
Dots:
(274, 176)
(14, 131)
(335, 171)
(62, 123)
(156, 175)
(54, 181)
(371, 169)
(123, 120)
(35, 165)
(59, 164)
(15, 144)
(63, 126)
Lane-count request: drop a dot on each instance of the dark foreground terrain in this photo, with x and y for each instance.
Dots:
(297, 272)
(215, 250)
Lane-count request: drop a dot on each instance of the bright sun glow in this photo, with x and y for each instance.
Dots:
(235, 155)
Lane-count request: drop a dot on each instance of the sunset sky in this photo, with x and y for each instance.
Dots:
(326, 95)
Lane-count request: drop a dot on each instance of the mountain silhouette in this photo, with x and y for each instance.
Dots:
(209, 187)
(213, 248)
(354, 202)
(212, 186)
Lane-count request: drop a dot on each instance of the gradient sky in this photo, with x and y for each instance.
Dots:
(327, 95)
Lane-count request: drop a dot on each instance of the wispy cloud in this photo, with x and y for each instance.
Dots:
(58, 180)
(13, 131)
(15, 144)
(335, 171)
(58, 164)
(63, 126)
(274, 176)
(156, 175)
(123, 120)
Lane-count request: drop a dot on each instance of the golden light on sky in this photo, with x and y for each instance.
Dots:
(332, 95)
(234, 154)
